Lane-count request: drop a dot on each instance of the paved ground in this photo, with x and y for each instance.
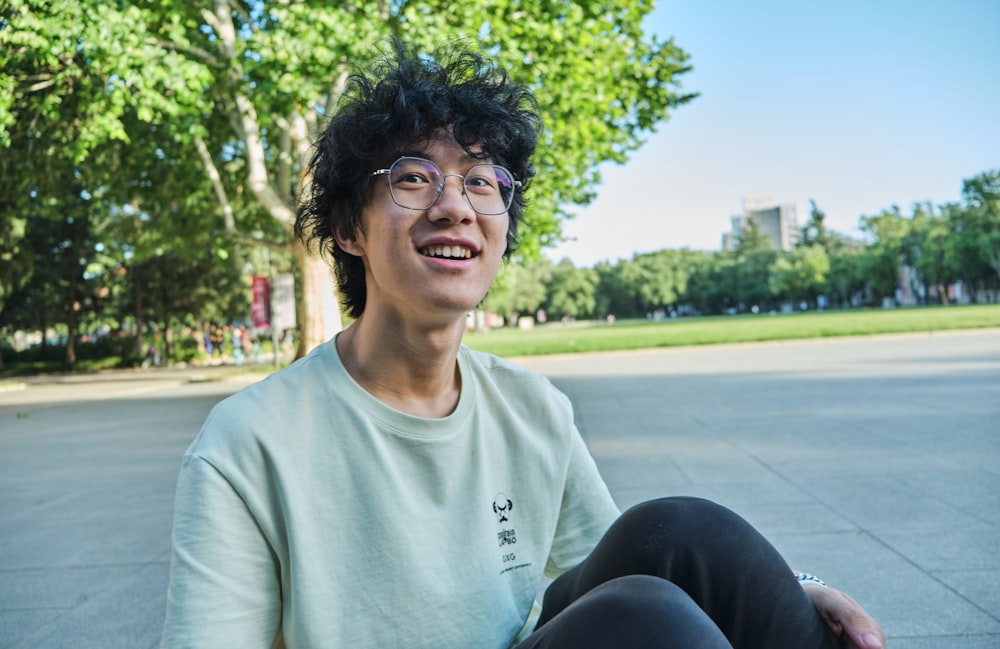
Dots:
(873, 462)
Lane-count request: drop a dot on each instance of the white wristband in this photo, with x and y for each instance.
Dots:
(806, 578)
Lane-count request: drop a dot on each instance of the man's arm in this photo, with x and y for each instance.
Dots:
(225, 588)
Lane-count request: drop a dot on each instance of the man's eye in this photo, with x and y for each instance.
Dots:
(413, 178)
(481, 182)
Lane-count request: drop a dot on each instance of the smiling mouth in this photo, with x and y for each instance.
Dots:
(447, 252)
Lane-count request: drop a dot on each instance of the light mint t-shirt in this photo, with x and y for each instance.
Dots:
(311, 514)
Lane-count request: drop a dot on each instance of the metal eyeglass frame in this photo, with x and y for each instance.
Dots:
(440, 187)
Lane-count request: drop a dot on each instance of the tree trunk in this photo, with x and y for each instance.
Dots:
(319, 311)
(140, 352)
(71, 325)
(168, 342)
(45, 337)
(199, 338)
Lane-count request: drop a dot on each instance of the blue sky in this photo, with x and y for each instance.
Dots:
(857, 105)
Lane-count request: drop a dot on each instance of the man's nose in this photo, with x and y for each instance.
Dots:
(454, 202)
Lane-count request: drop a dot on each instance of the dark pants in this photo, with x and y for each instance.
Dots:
(680, 573)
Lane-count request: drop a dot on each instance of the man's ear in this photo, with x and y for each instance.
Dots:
(348, 243)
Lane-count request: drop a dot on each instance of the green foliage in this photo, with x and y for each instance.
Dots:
(186, 350)
(646, 283)
(748, 279)
(518, 289)
(979, 225)
(175, 289)
(801, 274)
(929, 248)
(710, 288)
(814, 232)
(887, 232)
(572, 292)
(58, 291)
(847, 277)
(192, 121)
(751, 240)
(91, 357)
(939, 247)
(601, 84)
(16, 260)
(659, 284)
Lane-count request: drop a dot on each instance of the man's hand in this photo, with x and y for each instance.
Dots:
(849, 621)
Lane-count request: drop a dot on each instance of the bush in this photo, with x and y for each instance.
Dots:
(185, 350)
(107, 346)
(52, 353)
(107, 351)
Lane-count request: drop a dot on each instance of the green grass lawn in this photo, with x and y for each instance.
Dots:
(640, 334)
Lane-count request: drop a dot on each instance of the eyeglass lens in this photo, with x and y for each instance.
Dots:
(417, 183)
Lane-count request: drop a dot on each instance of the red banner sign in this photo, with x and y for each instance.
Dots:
(261, 305)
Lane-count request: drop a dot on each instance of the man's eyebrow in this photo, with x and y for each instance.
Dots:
(413, 153)
(470, 157)
(465, 158)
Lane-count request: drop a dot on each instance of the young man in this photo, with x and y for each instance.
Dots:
(396, 489)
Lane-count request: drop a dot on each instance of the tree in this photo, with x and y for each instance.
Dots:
(572, 292)
(929, 251)
(240, 87)
(847, 274)
(176, 290)
(613, 293)
(519, 288)
(800, 274)
(749, 277)
(15, 261)
(47, 200)
(814, 232)
(662, 286)
(630, 277)
(751, 239)
(884, 254)
(652, 281)
(57, 292)
(979, 226)
(712, 286)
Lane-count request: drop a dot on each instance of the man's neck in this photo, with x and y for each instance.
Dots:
(412, 369)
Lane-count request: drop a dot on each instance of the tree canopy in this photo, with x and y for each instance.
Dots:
(219, 100)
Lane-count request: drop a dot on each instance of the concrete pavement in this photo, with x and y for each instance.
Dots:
(872, 462)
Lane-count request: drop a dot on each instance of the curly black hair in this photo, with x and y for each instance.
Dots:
(401, 102)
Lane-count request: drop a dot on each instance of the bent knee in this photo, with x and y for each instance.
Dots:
(634, 598)
(680, 522)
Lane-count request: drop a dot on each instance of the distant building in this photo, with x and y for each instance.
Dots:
(779, 223)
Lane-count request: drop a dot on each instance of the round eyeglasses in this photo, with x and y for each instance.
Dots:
(416, 184)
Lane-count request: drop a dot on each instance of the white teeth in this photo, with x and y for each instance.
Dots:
(448, 252)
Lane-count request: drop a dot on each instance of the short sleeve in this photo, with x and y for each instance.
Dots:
(225, 588)
(586, 512)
